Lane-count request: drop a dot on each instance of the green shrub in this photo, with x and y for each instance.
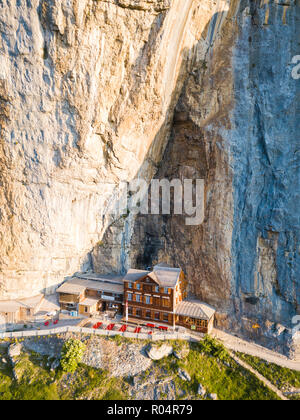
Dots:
(212, 347)
(71, 355)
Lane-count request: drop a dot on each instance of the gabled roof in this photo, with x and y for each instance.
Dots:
(73, 286)
(135, 275)
(89, 302)
(162, 274)
(167, 276)
(153, 276)
(12, 306)
(76, 286)
(107, 278)
(9, 306)
(195, 309)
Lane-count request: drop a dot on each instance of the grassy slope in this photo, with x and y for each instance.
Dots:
(37, 382)
(283, 378)
(208, 364)
(222, 377)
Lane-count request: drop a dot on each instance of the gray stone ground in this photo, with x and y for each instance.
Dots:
(147, 381)
(125, 359)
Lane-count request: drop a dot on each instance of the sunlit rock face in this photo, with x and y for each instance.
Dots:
(87, 92)
(237, 126)
(96, 93)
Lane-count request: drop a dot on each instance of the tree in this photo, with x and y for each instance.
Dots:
(71, 355)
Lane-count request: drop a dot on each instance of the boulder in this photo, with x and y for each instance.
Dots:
(213, 397)
(14, 350)
(280, 329)
(201, 390)
(184, 375)
(181, 353)
(156, 352)
(55, 365)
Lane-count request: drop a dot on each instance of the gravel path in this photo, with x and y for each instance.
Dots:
(259, 376)
(243, 346)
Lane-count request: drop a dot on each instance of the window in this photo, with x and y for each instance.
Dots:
(138, 286)
(156, 316)
(148, 300)
(130, 311)
(166, 302)
(138, 313)
(129, 296)
(166, 317)
(129, 285)
(137, 298)
(148, 314)
(147, 288)
(156, 301)
(86, 309)
(156, 289)
(166, 290)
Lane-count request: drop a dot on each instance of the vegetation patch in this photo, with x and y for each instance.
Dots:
(71, 355)
(210, 365)
(37, 382)
(207, 363)
(284, 379)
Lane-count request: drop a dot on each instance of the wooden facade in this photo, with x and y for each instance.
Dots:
(70, 302)
(90, 299)
(88, 309)
(148, 301)
(14, 312)
(195, 324)
(12, 317)
(158, 297)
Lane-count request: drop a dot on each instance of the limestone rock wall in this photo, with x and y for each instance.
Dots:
(85, 89)
(236, 126)
(96, 93)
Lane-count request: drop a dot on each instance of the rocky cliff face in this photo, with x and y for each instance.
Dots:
(87, 91)
(236, 126)
(96, 93)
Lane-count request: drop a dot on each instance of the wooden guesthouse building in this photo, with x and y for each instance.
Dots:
(19, 311)
(157, 298)
(92, 295)
(160, 297)
(153, 296)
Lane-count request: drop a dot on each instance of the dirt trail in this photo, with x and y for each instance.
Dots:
(259, 376)
(243, 346)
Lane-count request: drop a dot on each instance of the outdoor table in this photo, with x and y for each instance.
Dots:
(163, 328)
